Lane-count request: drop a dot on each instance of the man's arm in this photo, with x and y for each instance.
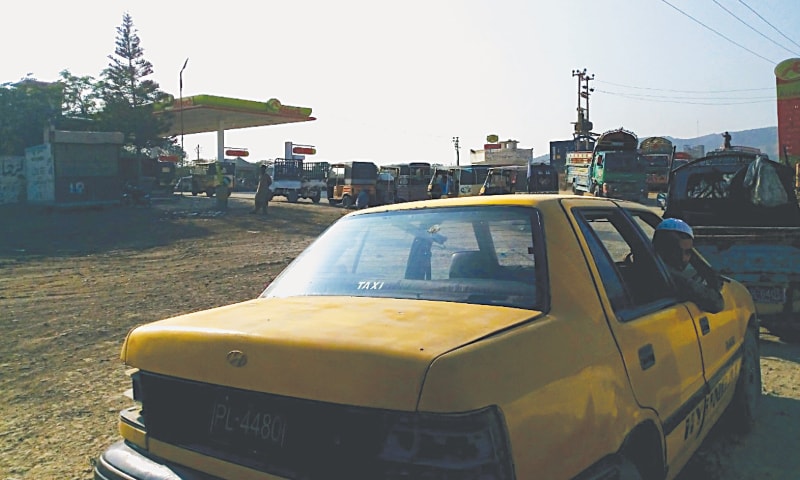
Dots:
(707, 298)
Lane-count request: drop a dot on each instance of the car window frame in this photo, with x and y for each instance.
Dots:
(626, 308)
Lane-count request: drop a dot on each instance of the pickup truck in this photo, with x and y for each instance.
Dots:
(746, 220)
(487, 337)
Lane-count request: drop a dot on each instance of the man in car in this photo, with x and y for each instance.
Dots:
(673, 240)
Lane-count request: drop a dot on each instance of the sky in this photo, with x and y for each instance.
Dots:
(398, 81)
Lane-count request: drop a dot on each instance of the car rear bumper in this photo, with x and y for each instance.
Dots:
(122, 461)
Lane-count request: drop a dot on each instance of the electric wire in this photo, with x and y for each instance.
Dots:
(720, 34)
(686, 91)
(753, 28)
(768, 23)
(689, 101)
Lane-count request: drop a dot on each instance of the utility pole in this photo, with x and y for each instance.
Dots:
(583, 127)
(180, 93)
(455, 144)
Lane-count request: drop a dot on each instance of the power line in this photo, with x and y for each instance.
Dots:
(688, 101)
(771, 25)
(687, 91)
(721, 35)
(752, 28)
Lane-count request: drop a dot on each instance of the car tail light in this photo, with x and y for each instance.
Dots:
(467, 446)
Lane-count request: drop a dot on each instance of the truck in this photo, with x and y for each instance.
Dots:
(657, 154)
(612, 169)
(746, 220)
(294, 179)
(312, 181)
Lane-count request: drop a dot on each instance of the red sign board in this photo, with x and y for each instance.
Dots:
(491, 146)
(304, 150)
(237, 153)
(168, 158)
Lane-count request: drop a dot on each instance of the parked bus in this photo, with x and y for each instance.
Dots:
(457, 181)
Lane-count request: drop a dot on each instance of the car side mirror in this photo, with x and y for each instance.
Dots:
(661, 200)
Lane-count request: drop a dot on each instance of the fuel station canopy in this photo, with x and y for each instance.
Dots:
(209, 113)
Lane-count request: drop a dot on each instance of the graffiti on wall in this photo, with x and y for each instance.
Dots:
(12, 180)
(40, 174)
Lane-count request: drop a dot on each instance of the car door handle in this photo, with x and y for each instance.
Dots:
(704, 326)
(647, 356)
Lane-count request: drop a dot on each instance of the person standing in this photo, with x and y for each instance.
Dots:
(726, 144)
(222, 192)
(262, 191)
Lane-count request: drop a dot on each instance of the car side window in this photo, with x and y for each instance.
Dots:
(628, 269)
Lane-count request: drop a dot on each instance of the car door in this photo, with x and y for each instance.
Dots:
(655, 332)
(720, 334)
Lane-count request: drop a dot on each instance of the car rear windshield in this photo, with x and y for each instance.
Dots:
(490, 255)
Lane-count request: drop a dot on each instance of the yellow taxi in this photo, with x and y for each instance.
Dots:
(479, 338)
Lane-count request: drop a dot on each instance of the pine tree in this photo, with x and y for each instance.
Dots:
(127, 95)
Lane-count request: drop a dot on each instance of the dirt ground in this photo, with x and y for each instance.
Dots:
(72, 283)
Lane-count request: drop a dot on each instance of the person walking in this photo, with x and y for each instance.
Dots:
(263, 193)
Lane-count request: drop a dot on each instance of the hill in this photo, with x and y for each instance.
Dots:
(765, 139)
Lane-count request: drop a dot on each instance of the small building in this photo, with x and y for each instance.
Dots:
(505, 153)
(74, 169)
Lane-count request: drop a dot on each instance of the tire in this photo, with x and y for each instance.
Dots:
(194, 193)
(347, 201)
(316, 196)
(595, 190)
(741, 412)
(292, 196)
(628, 470)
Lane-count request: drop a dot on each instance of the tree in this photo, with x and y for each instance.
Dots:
(27, 107)
(80, 95)
(127, 95)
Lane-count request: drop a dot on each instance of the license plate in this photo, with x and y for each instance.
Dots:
(237, 421)
(767, 294)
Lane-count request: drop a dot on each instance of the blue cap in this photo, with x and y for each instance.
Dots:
(676, 225)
